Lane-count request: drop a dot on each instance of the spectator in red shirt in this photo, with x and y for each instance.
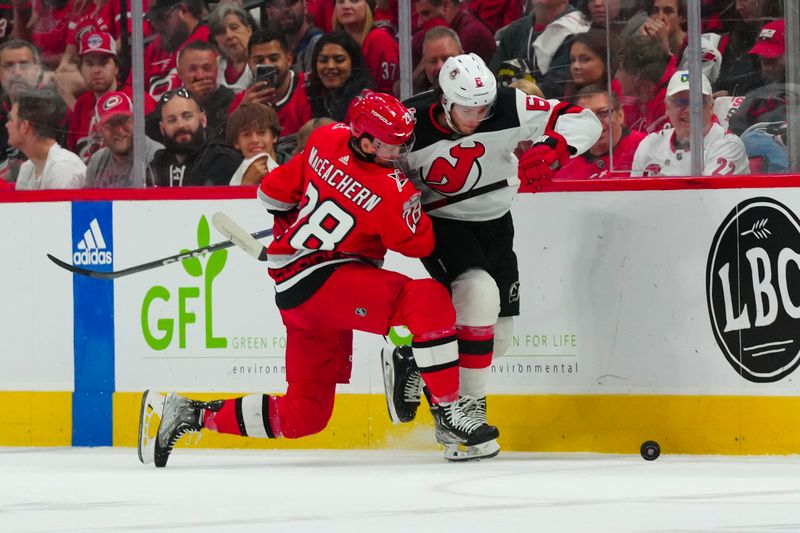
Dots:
(177, 22)
(99, 67)
(495, 13)
(429, 15)
(381, 52)
(641, 80)
(48, 26)
(288, 96)
(474, 35)
(596, 162)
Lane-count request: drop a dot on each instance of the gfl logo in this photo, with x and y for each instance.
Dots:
(753, 289)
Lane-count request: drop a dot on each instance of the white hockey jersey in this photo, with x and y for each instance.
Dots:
(442, 164)
(658, 155)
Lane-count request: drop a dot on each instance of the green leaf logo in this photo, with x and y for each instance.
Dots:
(216, 261)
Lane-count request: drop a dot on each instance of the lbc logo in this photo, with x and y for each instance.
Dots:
(753, 289)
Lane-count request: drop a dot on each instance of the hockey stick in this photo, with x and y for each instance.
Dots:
(239, 236)
(450, 200)
(199, 252)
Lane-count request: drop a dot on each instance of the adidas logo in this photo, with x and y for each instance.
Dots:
(344, 159)
(92, 247)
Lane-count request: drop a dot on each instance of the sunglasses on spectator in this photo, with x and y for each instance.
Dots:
(169, 95)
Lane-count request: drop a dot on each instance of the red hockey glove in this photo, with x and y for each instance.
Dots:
(546, 156)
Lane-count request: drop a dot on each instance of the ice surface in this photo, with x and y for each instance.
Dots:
(108, 490)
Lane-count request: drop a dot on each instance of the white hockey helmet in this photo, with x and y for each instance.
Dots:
(465, 80)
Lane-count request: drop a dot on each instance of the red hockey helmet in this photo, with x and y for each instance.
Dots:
(383, 117)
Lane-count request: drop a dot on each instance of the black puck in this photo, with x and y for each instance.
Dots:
(650, 450)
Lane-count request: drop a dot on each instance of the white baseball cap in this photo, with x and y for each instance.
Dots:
(680, 82)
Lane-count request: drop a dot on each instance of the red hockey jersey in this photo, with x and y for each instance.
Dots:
(349, 210)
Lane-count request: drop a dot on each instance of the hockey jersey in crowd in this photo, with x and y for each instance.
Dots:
(658, 155)
(161, 66)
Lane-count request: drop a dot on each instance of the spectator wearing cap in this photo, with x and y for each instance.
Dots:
(99, 67)
(666, 152)
(33, 126)
(112, 165)
(761, 119)
(740, 72)
(190, 156)
(381, 51)
(769, 102)
(176, 22)
(542, 39)
(289, 18)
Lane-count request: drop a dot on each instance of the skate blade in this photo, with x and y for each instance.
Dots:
(149, 420)
(459, 452)
(387, 364)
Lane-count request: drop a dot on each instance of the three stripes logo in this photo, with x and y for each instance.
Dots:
(92, 249)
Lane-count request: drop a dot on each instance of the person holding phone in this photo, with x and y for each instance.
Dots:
(274, 82)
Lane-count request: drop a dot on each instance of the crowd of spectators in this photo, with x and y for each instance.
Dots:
(232, 89)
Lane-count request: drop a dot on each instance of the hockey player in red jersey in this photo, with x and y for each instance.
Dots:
(465, 141)
(338, 206)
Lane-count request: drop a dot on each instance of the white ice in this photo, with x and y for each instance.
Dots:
(108, 490)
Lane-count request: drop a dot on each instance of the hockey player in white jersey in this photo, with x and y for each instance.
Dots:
(666, 152)
(465, 141)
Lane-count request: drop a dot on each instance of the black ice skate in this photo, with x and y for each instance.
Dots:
(475, 407)
(402, 383)
(178, 415)
(463, 436)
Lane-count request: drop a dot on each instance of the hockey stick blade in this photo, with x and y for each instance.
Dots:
(450, 200)
(199, 252)
(238, 236)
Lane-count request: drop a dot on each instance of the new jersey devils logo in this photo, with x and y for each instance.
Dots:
(448, 178)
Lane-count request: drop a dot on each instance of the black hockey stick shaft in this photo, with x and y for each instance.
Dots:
(450, 200)
(199, 252)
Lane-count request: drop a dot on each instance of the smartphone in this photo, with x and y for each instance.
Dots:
(267, 73)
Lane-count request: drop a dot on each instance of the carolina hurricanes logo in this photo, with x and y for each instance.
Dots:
(447, 178)
(653, 169)
(111, 102)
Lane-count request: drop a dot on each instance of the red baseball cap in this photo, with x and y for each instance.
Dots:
(98, 42)
(770, 42)
(113, 104)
